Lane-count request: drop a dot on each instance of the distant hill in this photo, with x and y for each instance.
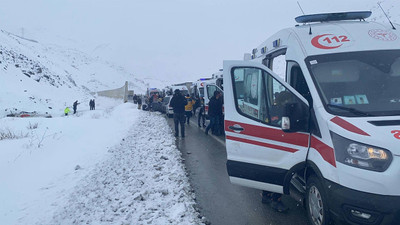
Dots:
(42, 77)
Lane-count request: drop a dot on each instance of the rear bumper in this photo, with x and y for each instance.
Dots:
(356, 207)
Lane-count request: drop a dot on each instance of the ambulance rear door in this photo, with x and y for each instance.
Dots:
(259, 153)
(208, 94)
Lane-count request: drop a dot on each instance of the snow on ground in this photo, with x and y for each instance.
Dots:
(113, 165)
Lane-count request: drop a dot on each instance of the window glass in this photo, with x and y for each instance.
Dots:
(210, 90)
(249, 92)
(278, 97)
(259, 96)
(201, 90)
(358, 83)
(279, 66)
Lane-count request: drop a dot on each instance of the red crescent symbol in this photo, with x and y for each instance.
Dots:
(315, 42)
(396, 133)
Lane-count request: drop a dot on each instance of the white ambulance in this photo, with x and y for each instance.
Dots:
(197, 88)
(212, 85)
(183, 88)
(328, 134)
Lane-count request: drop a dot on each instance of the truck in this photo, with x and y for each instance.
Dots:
(327, 130)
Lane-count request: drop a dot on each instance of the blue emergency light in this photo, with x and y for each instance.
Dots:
(264, 50)
(324, 17)
(276, 43)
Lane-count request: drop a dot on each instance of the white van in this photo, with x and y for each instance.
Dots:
(212, 85)
(328, 133)
(184, 90)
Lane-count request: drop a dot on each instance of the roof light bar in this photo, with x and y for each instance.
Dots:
(324, 17)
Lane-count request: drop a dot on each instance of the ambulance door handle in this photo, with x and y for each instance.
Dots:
(236, 128)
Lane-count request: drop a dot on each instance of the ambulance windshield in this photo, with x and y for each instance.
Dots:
(358, 83)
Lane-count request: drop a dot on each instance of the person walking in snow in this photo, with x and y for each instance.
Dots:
(75, 106)
(91, 104)
(139, 102)
(66, 110)
(94, 104)
(178, 103)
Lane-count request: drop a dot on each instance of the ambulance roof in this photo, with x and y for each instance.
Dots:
(332, 37)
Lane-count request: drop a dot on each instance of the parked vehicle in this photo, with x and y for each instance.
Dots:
(183, 88)
(167, 109)
(328, 132)
(197, 88)
(212, 85)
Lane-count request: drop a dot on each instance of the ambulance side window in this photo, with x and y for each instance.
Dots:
(250, 93)
(278, 96)
(210, 90)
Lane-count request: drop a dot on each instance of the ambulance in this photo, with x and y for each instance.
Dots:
(323, 126)
(183, 88)
(212, 85)
(197, 88)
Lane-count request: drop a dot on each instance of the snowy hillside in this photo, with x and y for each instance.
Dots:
(46, 78)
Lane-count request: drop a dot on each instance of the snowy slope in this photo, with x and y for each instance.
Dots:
(36, 76)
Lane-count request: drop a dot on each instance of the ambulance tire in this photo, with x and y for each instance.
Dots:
(316, 202)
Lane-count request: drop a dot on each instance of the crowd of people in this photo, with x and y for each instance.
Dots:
(185, 107)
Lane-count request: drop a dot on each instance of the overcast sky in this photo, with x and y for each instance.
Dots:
(181, 40)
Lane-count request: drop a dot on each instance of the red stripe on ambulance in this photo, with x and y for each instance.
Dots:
(270, 133)
(278, 147)
(327, 153)
(348, 126)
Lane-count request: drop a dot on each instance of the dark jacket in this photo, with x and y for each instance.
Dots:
(178, 102)
(75, 105)
(215, 107)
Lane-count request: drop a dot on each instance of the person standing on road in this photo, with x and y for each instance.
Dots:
(201, 112)
(139, 102)
(214, 112)
(178, 103)
(196, 103)
(188, 107)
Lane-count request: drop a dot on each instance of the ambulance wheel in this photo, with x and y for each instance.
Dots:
(316, 202)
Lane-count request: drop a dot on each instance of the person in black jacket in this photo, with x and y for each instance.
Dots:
(178, 103)
(215, 113)
(75, 106)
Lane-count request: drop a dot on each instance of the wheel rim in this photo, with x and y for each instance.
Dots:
(316, 206)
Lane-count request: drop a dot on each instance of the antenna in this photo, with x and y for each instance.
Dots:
(300, 7)
(309, 32)
(394, 28)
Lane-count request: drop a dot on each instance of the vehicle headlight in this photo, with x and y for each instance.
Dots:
(360, 155)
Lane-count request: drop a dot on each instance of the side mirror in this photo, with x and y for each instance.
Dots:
(295, 117)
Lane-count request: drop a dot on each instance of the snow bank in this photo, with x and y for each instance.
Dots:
(143, 182)
(113, 165)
